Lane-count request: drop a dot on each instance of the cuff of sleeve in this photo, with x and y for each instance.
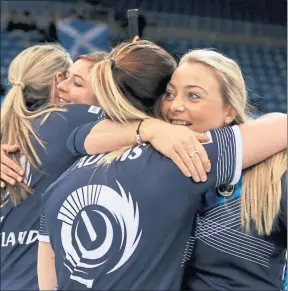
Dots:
(75, 141)
(239, 155)
(44, 238)
(79, 139)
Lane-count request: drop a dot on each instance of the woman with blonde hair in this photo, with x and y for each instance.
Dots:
(40, 130)
(74, 75)
(125, 226)
(242, 227)
(241, 230)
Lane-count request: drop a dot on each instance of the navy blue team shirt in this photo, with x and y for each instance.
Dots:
(220, 254)
(226, 257)
(126, 226)
(19, 225)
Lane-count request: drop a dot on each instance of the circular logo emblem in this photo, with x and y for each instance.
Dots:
(100, 227)
(226, 190)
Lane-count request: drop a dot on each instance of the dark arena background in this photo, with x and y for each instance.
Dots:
(252, 32)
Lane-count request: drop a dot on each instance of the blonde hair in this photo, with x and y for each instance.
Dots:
(32, 76)
(130, 80)
(261, 194)
(261, 189)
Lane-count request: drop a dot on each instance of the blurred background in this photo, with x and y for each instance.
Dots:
(252, 32)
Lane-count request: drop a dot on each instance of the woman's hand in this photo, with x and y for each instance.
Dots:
(180, 144)
(10, 171)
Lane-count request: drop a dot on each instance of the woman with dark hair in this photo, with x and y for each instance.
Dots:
(243, 227)
(126, 225)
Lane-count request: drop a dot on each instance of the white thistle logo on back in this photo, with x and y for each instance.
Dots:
(105, 218)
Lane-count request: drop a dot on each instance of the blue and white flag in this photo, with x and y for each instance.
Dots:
(82, 37)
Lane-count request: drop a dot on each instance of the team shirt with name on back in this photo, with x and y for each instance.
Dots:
(125, 226)
(225, 256)
(19, 225)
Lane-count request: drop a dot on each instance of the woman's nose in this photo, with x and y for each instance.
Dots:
(177, 105)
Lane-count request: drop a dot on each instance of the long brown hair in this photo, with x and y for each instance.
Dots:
(32, 76)
(130, 80)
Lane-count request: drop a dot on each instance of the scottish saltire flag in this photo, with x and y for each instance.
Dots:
(82, 37)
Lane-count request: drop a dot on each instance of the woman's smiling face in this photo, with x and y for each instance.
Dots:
(193, 98)
(75, 88)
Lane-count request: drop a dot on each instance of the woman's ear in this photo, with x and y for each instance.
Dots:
(231, 114)
(59, 77)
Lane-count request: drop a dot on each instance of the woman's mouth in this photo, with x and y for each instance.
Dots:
(62, 101)
(180, 122)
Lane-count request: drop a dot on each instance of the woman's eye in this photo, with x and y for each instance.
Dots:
(168, 95)
(193, 96)
(77, 84)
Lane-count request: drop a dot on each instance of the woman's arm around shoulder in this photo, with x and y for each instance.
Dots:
(263, 137)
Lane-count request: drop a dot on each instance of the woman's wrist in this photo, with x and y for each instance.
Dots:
(148, 129)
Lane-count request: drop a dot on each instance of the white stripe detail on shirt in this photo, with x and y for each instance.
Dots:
(44, 238)
(239, 155)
